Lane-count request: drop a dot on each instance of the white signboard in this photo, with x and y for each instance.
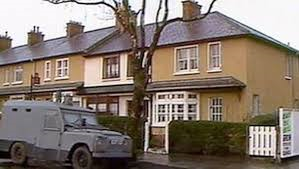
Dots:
(289, 132)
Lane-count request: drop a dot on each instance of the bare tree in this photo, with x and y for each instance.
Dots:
(142, 52)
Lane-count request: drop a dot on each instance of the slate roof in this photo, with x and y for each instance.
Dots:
(196, 84)
(109, 40)
(55, 47)
(215, 26)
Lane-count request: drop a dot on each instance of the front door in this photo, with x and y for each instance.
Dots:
(49, 142)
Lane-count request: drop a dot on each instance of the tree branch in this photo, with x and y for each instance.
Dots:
(83, 3)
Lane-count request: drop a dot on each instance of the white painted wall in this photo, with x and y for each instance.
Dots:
(93, 75)
(123, 105)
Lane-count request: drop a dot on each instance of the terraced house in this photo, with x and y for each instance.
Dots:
(46, 70)
(211, 69)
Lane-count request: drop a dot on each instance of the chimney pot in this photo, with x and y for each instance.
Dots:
(35, 36)
(74, 28)
(5, 42)
(191, 9)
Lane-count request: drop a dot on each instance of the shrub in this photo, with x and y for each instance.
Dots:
(123, 125)
(209, 138)
(266, 119)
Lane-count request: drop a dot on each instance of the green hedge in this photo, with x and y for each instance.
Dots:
(266, 119)
(209, 138)
(123, 125)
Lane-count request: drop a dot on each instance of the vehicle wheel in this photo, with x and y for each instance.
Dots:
(18, 153)
(82, 158)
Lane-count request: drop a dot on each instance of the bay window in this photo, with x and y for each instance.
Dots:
(175, 106)
(103, 105)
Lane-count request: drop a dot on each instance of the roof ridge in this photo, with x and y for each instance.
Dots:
(255, 32)
(56, 38)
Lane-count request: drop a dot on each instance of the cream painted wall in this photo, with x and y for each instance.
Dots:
(123, 106)
(76, 73)
(94, 72)
(233, 52)
(27, 72)
(266, 77)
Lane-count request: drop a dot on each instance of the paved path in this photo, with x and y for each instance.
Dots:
(207, 162)
(152, 161)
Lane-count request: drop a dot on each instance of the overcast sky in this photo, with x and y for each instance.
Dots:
(277, 18)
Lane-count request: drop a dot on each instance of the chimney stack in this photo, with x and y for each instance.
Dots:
(74, 28)
(5, 42)
(35, 36)
(191, 9)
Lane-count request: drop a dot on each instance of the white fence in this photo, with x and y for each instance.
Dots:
(262, 141)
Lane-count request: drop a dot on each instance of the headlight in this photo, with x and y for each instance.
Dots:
(101, 139)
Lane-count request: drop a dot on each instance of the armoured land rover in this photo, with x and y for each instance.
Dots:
(51, 131)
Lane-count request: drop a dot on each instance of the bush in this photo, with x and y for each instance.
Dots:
(266, 119)
(209, 138)
(123, 125)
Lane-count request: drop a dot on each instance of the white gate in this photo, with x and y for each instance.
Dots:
(262, 141)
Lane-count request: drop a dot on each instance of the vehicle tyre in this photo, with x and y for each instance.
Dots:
(82, 158)
(18, 153)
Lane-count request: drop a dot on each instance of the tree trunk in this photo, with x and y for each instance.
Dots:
(138, 106)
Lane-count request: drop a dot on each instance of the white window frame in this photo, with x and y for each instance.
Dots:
(6, 77)
(256, 105)
(189, 70)
(169, 101)
(289, 67)
(214, 69)
(47, 71)
(221, 107)
(57, 77)
(18, 69)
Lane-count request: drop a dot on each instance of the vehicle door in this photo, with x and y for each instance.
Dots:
(50, 138)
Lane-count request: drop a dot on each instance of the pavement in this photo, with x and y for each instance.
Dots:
(183, 161)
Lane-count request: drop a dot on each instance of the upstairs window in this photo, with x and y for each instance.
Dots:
(62, 68)
(111, 67)
(130, 67)
(47, 70)
(6, 76)
(214, 59)
(18, 77)
(289, 67)
(187, 59)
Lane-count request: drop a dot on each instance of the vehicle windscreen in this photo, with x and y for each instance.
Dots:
(80, 119)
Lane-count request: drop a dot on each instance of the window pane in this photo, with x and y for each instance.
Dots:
(59, 64)
(111, 67)
(215, 60)
(113, 107)
(102, 107)
(216, 110)
(192, 108)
